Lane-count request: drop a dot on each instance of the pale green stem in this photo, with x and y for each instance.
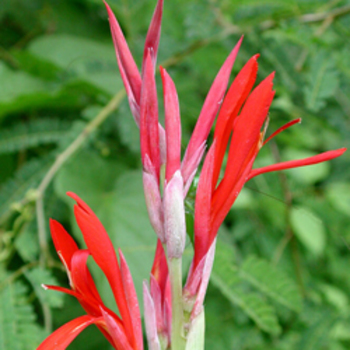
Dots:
(178, 340)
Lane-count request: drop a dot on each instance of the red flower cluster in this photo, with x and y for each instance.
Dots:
(124, 332)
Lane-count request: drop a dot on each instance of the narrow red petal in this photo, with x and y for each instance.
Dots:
(160, 267)
(323, 157)
(117, 332)
(64, 243)
(202, 213)
(84, 284)
(133, 303)
(63, 336)
(124, 56)
(245, 139)
(153, 34)
(149, 117)
(234, 99)
(226, 194)
(60, 289)
(210, 108)
(102, 250)
(172, 125)
(282, 128)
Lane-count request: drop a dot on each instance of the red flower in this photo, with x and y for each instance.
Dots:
(242, 117)
(124, 332)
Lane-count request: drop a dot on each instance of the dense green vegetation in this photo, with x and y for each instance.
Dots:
(281, 279)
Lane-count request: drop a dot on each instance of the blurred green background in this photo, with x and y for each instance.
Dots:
(281, 279)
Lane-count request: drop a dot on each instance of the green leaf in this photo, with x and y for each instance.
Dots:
(272, 282)
(19, 89)
(322, 81)
(38, 132)
(38, 276)
(225, 278)
(317, 336)
(309, 229)
(81, 59)
(18, 330)
(339, 196)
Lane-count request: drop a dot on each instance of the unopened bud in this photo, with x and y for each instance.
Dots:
(174, 216)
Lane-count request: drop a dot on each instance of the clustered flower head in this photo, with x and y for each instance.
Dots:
(172, 316)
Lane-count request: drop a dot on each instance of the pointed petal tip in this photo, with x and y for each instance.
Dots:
(109, 10)
(44, 286)
(81, 204)
(341, 151)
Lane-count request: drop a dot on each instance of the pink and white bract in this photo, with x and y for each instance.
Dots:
(241, 122)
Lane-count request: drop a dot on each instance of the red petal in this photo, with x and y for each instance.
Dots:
(210, 109)
(160, 267)
(202, 214)
(323, 157)
(227, 198)
(153, 34)
(172, 125)
(149, 117)
(64, 243)
(233, 102)
(282, 128)
(84, 284)
(131, 298)
(61, 289)
(127, 65)
(102, 250)
(63, 336)
(245, 139)
(117, 332)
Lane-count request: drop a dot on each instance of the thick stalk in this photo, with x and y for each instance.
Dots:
(178, 341)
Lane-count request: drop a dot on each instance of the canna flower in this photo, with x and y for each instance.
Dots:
(124, 332)
(242, 120)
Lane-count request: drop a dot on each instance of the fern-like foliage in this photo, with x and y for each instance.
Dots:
(18, 330)
(322, 81)
(226, 278)
(268, 281)
(39, 276)
(317, 335)
(272, 282)
(24, 179)
(27, 135)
